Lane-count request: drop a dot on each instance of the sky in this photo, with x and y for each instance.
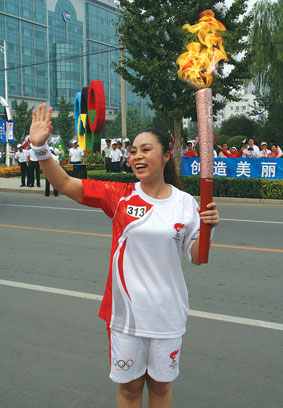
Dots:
(251, 3)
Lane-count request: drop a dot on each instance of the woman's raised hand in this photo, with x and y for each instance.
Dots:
(41, 125)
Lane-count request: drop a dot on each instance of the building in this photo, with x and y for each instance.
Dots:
(245, 107)
(56, 47)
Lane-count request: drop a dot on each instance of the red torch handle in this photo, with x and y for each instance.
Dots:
(206, 194)
(205, 129)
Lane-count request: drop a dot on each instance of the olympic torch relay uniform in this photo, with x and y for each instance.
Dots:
(146, 293)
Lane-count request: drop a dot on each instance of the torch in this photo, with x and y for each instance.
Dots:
(197, 66)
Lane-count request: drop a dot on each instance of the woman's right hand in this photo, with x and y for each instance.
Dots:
(41, 126)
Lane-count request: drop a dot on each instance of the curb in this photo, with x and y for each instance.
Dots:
(234, 200)
(259, 201)
(17, 190)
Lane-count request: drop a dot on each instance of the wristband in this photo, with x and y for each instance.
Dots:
(41, 152)
(212, 233)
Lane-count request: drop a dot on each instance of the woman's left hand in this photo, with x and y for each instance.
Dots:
(210, 216)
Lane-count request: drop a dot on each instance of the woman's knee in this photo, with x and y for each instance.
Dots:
(133, 389)
(156, 387)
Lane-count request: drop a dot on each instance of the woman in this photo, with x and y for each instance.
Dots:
(191, 152)
(145, 304)
(274, 152)
(233, 153)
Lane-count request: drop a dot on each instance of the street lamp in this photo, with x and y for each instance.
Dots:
(4, 102)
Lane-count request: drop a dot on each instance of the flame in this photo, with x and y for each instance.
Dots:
(198, 63)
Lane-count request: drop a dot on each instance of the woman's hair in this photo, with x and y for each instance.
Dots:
(170, 173)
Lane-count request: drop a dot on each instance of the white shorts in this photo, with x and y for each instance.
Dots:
(132, 356)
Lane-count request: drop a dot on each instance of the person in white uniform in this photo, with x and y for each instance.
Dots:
(145, 304)
(116, 157)
(22, 158)
(33, 167)
(76, 154)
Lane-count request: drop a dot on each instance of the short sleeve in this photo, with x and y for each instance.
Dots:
(192, 229)
(104, 194)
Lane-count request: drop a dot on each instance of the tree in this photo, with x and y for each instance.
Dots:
(266, 41)
(135, 123)
(151, 31)
(22, 121)
(238, 126)
(64, 122)
(163, 122)
(266, 66)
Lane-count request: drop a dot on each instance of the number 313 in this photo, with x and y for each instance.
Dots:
(137, 212)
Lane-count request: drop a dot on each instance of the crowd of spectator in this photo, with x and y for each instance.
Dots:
(116, 156)
(248, 149)
(251, 149)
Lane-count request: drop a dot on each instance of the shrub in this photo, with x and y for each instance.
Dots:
(222, 187)
(93, 158)
(235, 141)
(273, 189)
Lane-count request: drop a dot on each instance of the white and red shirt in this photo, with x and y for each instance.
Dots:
(146, 294)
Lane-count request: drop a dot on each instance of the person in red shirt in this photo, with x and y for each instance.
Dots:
(191, 152)
(233, 152)
(274, 152)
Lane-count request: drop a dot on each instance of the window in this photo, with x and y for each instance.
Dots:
(12, 7)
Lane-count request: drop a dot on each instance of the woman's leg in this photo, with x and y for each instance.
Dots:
(130, 394)
(159, 393)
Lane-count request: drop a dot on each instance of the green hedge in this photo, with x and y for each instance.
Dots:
(222, 187)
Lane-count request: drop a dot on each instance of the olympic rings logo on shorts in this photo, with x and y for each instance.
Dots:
(122, 365)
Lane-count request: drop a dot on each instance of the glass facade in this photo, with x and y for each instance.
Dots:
(66, 53)
(55, 47)
(23, 26)
(103, 49)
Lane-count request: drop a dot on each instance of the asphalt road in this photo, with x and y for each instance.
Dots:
(54, 349)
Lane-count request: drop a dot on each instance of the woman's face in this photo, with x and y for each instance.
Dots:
(147, 158)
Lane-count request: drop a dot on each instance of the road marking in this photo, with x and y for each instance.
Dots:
(56, 230)
(110, 236)
(193, 313)
(99, 210)
(51, 208)
(255, 221)
(47, 289)
(237, 320)
(248, 248)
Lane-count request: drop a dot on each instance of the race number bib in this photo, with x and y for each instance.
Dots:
(137, 212)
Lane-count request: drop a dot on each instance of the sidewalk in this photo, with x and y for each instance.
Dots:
(12, 185)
